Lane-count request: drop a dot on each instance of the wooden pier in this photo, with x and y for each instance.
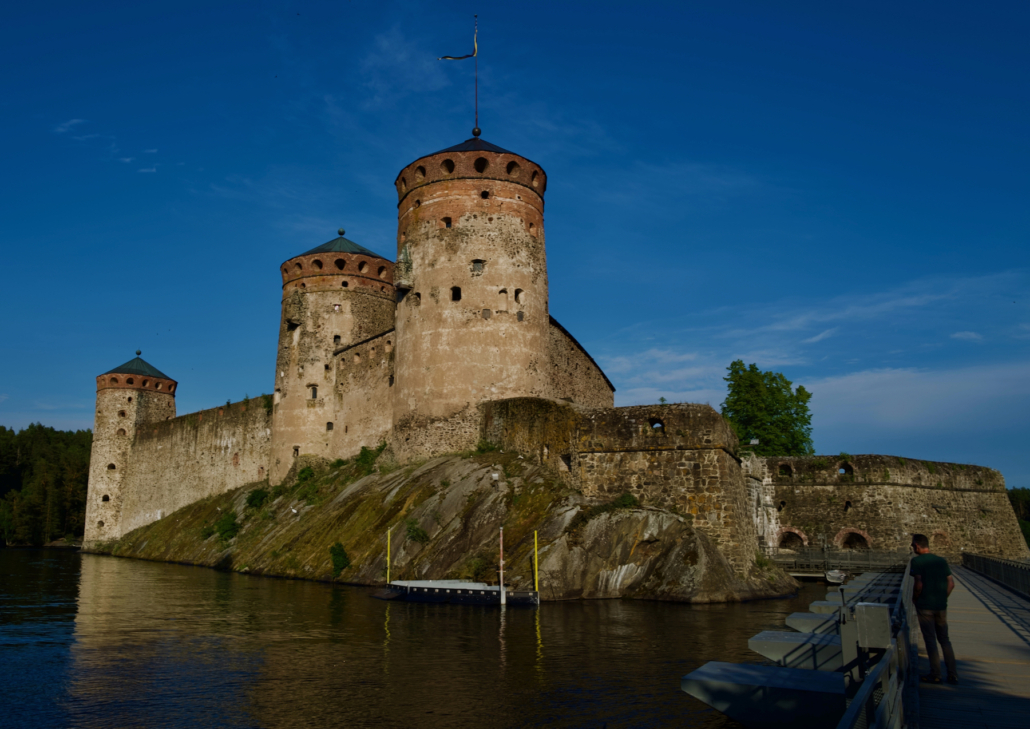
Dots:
(990, 632)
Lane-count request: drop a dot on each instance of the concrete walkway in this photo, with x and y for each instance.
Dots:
(990, 631)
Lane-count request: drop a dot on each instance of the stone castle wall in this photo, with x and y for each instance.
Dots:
(574, 374)
(177, 462)
(675, 457)
(880, 501)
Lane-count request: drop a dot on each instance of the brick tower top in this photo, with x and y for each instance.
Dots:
(137, 374)
(340, 263)
(473, 159)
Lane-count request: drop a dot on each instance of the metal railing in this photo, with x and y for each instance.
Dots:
(1014, 575)
(852, 560)
(888, 697)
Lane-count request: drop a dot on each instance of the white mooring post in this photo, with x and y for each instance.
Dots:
(504, 601)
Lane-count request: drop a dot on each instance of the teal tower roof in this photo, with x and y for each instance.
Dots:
(137, 366)
(342, 245)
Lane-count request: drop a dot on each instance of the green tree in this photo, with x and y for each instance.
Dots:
(764, 406)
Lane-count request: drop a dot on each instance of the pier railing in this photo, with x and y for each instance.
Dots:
(888, 696)
(1014, 575)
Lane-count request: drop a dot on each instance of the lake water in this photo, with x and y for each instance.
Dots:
(91, 641)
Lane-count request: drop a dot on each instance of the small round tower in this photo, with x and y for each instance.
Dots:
(334, 296)
(128, 397)
(472, 314)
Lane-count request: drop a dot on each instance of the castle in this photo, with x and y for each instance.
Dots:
(454, 343)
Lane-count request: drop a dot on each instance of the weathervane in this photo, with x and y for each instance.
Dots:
(475, 54)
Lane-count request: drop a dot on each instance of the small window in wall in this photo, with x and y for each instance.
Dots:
(110, 467)
(785, 470)
(314, 392)
(447, 166)
(114, 380)
(478, 266)
(521, 315)
(121, 413)
(657, 426)
(455, 293)
(121, 431)
(513, 168)
(345, 284)
(357, 358)
(317, 264)
(261, 472)
(100, 524)
(340, 264)
(481, 164)
(418, 203)
(328, 427)
(130, 381)
(296, 451)
(403, 184)
(535, 179)
(847, 506)
(298, 267)
(487, 313)
(565, 462)
(520, 297)
(129, 398)
(336, 339)
(389, 346)
(391, 381)
(485, 194)
(780, 507)
(846, 470)
(381, 271)
(105, 498)
(362, 267)
(420, 173)
(446, 222)
(326, 368)
(502, 297)
(336, 307)
(416, 300)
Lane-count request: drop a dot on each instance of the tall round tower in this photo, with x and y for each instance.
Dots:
(472, 315)
(334, 296)
(129, 396)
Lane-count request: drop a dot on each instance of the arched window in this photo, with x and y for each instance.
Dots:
(317, 264)
(114, 380)
(314, 392)
(845, 469)
(791, 541)
(481, 164)
(485, 194)
(146, 383)
(130, 381)
(447, 166)
(121, 431)
(455, 293)
(121, 413)
(298, 267)
(513, 168)
(100, 524)
(785, 470)
(854, 540)
(403, 184)
(420, 173)
(534, 179)
(847, 506)
(110, 467)
(657, 426)
(382, 270)
(362, 266)
(328, 427)
(105, 497)
(520, 297)
(340, 264)
(502, 300)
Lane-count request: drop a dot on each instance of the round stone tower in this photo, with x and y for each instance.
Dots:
(129, 396)
(334, 296)
(472, 316)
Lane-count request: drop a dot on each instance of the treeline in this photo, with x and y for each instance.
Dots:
(1020, 499)
(43, 477)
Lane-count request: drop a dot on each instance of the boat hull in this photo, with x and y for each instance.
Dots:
(456, 594)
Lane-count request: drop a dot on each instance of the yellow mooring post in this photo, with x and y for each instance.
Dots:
(388, 555)
(536, 566)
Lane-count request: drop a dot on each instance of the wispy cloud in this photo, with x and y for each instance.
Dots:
(820, 336)
(66, 126)
(126, 159)
(149, 151)
(398, 66)
(967, 336)
(147, 169)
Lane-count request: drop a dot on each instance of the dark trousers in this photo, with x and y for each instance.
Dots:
(934, 626)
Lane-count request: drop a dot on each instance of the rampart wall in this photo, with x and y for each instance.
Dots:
(574, 374)
(177, 462)
(676, 457)
(878, 502)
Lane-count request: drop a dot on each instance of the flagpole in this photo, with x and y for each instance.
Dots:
(477, 71)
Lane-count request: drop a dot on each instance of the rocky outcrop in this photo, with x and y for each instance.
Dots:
(444, 518)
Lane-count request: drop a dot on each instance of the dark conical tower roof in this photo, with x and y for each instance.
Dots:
(342, 245)
(137, 366)
(474, 145)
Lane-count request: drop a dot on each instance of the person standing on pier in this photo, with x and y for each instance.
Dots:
(933, 585)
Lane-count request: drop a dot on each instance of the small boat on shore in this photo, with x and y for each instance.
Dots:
(454, 591)
(836, 577)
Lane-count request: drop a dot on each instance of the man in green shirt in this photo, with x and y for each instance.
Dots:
(933, 584)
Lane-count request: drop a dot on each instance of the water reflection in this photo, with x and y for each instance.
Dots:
(154, 644)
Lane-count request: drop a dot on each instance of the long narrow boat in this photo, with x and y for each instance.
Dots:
(456, 591)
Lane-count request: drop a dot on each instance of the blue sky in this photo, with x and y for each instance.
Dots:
(837, 191)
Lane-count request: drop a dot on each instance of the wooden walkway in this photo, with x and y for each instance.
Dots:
(990, 631)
